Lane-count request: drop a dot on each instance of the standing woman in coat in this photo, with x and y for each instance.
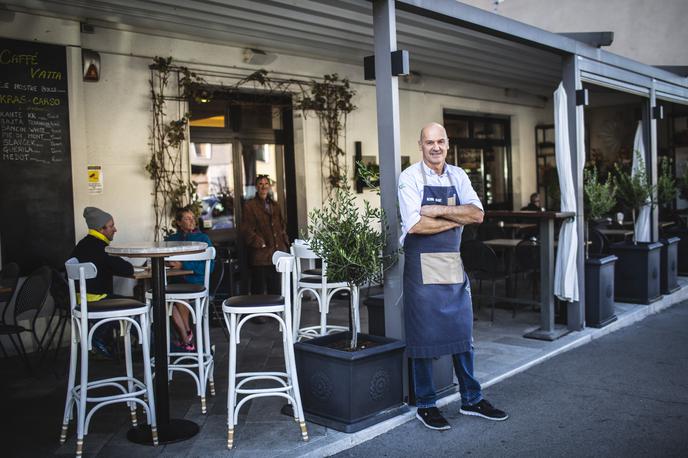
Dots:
(264, 232)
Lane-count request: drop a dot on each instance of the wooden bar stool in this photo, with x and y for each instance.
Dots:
(86, 317)
(237, 311)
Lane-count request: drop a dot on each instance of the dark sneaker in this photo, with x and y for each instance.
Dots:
(484, 409)
(432, 418)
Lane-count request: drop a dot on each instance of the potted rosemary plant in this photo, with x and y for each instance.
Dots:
(666, 194)
(638, 270)
(599, 266)
(332, 368)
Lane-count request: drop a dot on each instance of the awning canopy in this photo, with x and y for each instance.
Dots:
(445, 38)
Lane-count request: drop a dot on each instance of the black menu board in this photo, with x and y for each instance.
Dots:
(36, 205)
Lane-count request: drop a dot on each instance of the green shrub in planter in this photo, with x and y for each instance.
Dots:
(351, 241)
(666, 184)
(633, 191)
(599, 271)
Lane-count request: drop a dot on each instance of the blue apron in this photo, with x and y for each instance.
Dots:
(438, 314)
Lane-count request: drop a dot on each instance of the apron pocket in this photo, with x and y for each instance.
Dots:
(441, 268)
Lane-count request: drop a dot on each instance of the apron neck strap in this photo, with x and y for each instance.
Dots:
(446, 169)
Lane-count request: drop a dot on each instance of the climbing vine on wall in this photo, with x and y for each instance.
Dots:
(330, 100)
(171, 188)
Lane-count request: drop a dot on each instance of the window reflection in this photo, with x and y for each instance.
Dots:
(212, 171)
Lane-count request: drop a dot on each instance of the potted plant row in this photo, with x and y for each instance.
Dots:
(350, 380)
(666, 195)
(599, 266)
(638, 270)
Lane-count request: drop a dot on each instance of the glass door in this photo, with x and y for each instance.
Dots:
(262, 159)
(481, 146)
(212, 169)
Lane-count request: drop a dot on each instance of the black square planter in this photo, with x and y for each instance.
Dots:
(636, 274)
(682, 260)
(349, 391)
(599, 291)
(669, 258)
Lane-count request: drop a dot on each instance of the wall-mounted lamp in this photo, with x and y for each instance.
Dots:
(90, 61)
(202, 96)
(258, 57)
(658, 112)
(582, 97)
(85, 27)
(400, 64)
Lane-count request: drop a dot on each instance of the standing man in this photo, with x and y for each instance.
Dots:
(101, 231)
(436, 200)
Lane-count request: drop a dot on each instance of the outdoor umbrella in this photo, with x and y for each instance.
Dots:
(642, 221)
(566, 272)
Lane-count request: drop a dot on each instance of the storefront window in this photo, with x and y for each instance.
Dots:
(481, 146)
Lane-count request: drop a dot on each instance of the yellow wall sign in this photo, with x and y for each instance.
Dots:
(95, 179)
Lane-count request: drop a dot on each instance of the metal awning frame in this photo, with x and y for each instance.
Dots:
(581, 63)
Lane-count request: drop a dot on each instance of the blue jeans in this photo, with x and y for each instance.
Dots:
(469, 387)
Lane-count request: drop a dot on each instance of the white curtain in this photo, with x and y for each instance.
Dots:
(566, 271)
(642, 219)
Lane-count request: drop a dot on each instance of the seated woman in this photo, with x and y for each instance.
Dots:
(185, 220)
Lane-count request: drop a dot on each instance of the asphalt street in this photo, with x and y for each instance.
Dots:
(625, 395)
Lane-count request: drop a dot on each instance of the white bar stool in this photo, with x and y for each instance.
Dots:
(86, 317)
(237, 311)
(320, 287)
(199, 364)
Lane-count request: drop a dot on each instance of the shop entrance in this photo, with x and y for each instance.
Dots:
(232, 142)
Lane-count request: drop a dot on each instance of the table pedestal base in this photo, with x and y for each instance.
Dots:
(174, 431)
(550, 335)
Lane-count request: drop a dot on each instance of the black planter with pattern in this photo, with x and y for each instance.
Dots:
(668, 281)
(599, 291)
(637, 272)
(349, 391)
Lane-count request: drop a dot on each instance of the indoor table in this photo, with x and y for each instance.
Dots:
(169, 430)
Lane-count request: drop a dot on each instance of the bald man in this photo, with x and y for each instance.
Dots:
(436, 200)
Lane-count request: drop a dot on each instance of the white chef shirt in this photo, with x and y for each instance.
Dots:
(411, 191)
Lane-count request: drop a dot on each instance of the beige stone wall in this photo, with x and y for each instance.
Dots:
(650, 31)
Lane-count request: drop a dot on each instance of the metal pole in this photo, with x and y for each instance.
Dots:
(387, 94)
(651, 160)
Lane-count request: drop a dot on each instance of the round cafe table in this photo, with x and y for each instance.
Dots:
(169, 430)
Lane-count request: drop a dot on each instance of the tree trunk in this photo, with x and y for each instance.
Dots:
(355, 321)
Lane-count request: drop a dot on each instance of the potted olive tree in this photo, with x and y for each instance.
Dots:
(638, 270)
(666, 194)
(350, 380)
(599, 266)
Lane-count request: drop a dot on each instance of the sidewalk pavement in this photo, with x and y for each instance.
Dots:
(32, 407)
(624, 394)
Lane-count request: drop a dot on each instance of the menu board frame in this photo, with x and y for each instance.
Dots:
(36, 198)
